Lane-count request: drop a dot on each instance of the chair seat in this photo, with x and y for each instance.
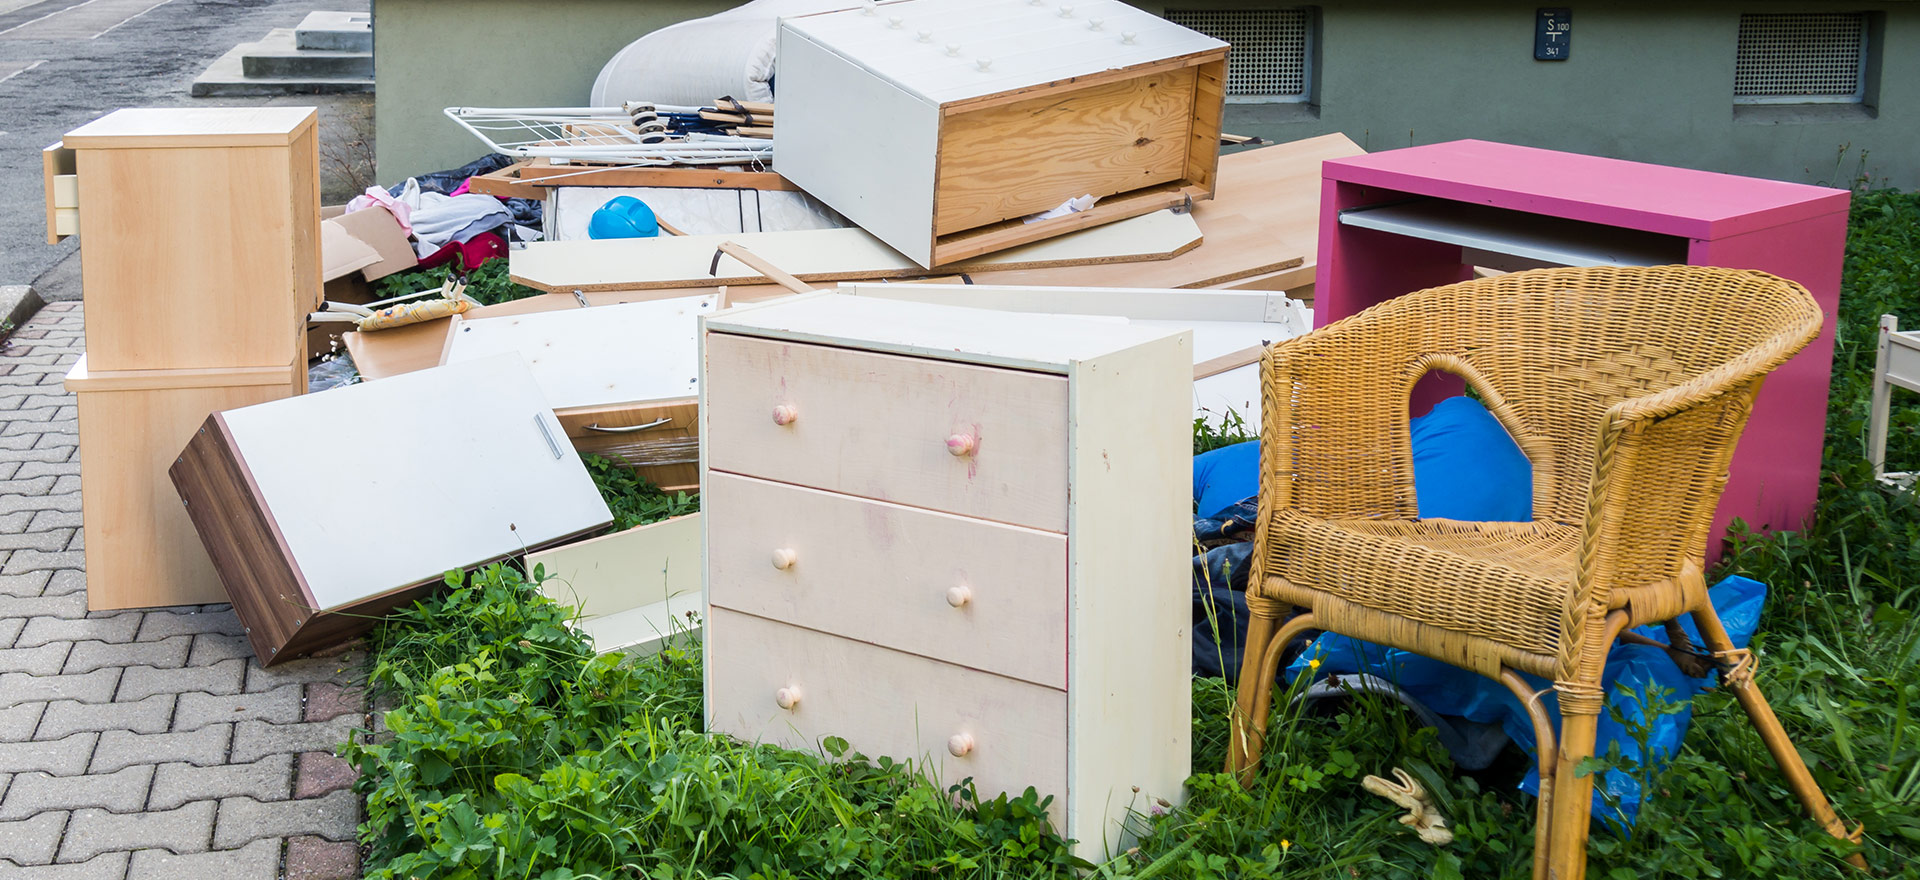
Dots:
(1480, 594)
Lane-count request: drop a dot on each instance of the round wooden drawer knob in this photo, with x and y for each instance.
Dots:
(784, 558)
(958, 597)
(787, 697)
(785, 414)
(962, 445)
(960, 745)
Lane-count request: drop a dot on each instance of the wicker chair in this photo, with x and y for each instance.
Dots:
(1626, 388)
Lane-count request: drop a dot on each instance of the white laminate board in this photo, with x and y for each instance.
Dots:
(1903, 359)
(645, 629)
(1046, 343)
(611, 574)
(1129, 626)
(821, 255)
(631, 352)
(935, 47)
(465, 474)
(1552, 240)
(1129, 302)
(864, 146)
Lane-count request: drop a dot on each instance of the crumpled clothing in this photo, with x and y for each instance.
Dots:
(442, 219)
(401, 211)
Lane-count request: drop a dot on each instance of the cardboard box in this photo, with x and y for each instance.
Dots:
(376, 228)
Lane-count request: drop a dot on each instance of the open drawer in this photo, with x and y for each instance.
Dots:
(61, 176)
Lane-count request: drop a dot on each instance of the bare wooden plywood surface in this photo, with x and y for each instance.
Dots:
(1010, 161)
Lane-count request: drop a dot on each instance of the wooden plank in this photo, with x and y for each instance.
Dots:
(506, 184)
(1018, 730)
(1129, 721)
(977, 247)
(817, 255)
(838, 440)
(653, 569)
(1264, 218)
(237, 529)
(193, 127)
(596, 357)
(1234, 360)
(56, 164)
(543, 173)
(768, 270)
(1209, 106)
(1012, 160)
(887, 574)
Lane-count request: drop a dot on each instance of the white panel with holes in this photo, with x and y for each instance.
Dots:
(1800, 58)
(1271, 50)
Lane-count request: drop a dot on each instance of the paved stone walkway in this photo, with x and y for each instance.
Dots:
(144, 744)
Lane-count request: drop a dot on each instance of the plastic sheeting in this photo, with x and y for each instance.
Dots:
(696, 61)
(1631, 672)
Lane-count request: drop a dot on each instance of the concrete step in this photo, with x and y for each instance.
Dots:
(227, 77)
(279, 56)
(323, 31)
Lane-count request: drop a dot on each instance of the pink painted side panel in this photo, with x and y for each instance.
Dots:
(1775, 477)
(1635, 195)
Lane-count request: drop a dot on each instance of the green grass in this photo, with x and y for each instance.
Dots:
(515, 752)
(635, 500)
(489, 284)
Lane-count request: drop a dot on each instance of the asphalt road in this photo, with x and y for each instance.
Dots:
(64, 63)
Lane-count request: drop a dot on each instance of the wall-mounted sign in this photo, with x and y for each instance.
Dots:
(1553, 34)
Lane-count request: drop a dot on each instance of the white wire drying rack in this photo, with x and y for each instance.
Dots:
(636, 133)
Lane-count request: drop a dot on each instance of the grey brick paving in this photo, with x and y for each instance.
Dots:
(63, 717)
(169, 653)
(259, 860)
(91, 832)
(105, 866)
(144, 743)
(243, 818)
(32, 841)
(268, 779)
(33, 793)
(279, 706)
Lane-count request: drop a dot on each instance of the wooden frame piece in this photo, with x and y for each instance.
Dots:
(59, 173)
(542, 173)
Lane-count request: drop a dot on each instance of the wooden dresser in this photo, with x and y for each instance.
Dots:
(954, 535)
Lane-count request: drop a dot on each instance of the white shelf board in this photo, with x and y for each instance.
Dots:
(1552, 240)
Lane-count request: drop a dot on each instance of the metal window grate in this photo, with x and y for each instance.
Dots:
(1269, 58)
(1800, 57)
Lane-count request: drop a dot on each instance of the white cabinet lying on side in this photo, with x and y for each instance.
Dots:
(957, 536)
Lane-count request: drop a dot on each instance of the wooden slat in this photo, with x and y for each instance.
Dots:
(1209, 104)
(951, 252)
(542, 172)
(1011, 160)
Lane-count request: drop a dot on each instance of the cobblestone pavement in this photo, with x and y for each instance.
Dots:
(139, 744)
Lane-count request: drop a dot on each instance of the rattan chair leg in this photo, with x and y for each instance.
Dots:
(1740, 680)
(1243, 750)
(1252, 735)
(1572, 799)
(1549, 753)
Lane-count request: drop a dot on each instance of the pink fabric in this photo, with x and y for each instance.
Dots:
(462, 190)
(378, 196)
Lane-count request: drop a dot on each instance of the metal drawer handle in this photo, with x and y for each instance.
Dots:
(958, 597)
(787, 697)
(631, 428)
(960, 745)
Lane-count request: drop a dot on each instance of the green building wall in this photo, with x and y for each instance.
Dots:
(1649, 81)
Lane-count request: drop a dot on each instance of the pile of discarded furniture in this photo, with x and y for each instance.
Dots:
(945, 494)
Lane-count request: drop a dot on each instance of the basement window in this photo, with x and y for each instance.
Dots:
(1801, 58)
(1272, 57)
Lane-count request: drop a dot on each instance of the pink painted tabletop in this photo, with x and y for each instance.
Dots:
(1634, 195)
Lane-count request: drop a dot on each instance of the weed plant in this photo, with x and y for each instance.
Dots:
(512, 751)
(488, 285)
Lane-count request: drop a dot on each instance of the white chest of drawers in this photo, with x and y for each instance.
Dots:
(958, 536)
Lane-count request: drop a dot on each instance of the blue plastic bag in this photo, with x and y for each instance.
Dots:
(1630, 671)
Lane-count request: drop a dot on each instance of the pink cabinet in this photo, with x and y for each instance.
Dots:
(1403, 220)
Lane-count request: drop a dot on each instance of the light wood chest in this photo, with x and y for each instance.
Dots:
(937, 125)
(956, 536)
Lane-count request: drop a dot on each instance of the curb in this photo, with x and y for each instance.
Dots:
(20, 302)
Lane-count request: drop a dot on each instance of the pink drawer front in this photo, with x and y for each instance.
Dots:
(967, 591)
(773, 683)
(976, 441)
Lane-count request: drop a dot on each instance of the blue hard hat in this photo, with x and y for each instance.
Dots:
(623, 217)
